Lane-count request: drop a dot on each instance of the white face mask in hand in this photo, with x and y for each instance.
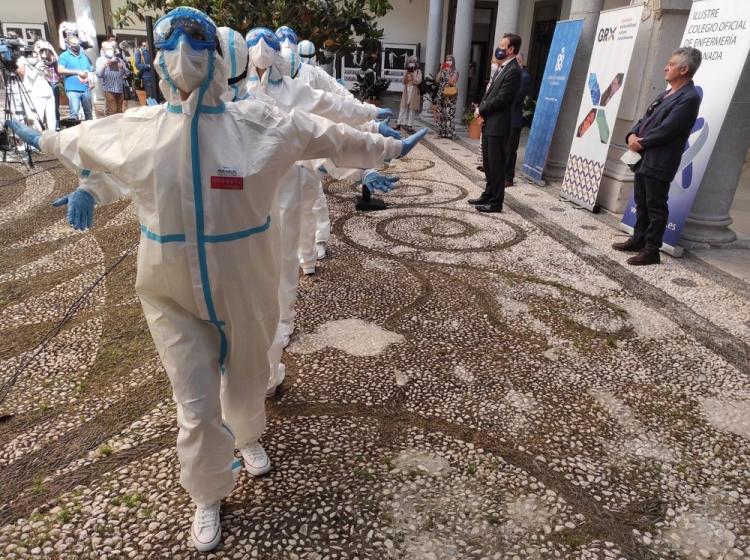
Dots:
(186, 68)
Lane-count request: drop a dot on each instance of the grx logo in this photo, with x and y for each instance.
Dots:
(606, 34)
(599, 101)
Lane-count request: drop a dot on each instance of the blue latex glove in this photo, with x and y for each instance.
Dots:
(386, 130)
(409, 143)
(151, 101)
(340, 81)
(80, 208)
(384, 114)
(375, 181)
(26, 133)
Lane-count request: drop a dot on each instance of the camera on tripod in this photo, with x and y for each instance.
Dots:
(10, 50)
(18, 103)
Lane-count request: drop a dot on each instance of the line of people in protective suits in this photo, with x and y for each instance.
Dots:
(224, 177)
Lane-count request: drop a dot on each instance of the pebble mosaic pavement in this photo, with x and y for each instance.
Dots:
(459, 386)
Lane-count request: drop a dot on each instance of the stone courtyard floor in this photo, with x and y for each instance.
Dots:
(459, 386)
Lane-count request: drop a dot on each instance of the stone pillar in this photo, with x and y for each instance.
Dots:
(709, 219)
(507, 21)
(434, 39)
(462, 50)
(588, 10)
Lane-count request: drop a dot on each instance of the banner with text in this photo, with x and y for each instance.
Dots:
(556, 72)
(719, 29)
(608, 69)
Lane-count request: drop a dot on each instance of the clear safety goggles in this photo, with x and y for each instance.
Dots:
(195, 26)
(286, 34)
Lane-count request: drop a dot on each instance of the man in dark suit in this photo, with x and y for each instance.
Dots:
(496, 108)
(516, 123)
(660, 137)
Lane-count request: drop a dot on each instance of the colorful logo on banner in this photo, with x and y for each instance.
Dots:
(615, 38)
(719, 28)
(560, 60)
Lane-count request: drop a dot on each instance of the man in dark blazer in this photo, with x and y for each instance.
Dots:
(496, 108)
(660, 137)
(516, 123)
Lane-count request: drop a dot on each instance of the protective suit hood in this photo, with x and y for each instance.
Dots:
(203, 73)
(235, 52)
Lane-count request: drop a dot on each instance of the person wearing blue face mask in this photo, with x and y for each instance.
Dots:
(496, 108)
(203, 175)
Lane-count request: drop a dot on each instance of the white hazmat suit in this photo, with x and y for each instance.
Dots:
(203, 175)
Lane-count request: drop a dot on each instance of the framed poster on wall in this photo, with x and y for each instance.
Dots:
(393, 63)
(29, 32)
(351, 66)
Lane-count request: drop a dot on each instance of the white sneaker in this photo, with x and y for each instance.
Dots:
(257, 462)
(206, 531)
(277, 381)
(320, 247)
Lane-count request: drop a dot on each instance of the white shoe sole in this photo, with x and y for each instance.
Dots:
(258, 472)
(209, 546)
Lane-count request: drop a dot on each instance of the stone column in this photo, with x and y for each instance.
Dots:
(434, 37)
(462, 50)
(709, 219)
(507, 21)
(434, 40)
(588, 10)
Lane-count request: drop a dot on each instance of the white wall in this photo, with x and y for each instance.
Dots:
(406, 23)
(23, 11)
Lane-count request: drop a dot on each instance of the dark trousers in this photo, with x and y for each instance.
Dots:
(510, 166)
(149, 85)
(56, 93)
(493, 156)
(651, 210)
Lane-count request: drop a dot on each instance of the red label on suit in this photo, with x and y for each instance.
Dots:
(226, 183)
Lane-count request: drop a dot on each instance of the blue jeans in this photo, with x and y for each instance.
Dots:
(78, 99)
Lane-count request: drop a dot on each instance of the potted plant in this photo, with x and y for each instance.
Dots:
(473, 123)
(61, 89)
(431, 87)
(369, 87)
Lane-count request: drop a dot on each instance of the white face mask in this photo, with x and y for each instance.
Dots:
(109, 53)
(187, 68)
(262, 55)
(33, 60)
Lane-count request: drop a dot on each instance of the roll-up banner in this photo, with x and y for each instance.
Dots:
(559, 61)
(608, 70)
(720, 29)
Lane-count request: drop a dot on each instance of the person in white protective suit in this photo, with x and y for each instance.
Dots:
(203, 175)
(269, 74)
(42, 110)
(315, 227)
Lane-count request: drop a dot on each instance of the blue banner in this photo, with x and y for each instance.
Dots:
(559, 61)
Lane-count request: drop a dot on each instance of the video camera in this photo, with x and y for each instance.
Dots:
(12, 48)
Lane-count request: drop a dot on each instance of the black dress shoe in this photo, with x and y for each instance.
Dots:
(630, 245)
(488, 208)
(480, 200)
(645, 257)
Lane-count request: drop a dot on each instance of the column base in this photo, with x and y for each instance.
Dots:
(707, 232)
(554, 170)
